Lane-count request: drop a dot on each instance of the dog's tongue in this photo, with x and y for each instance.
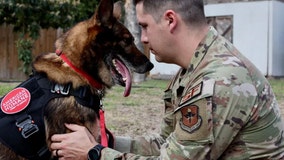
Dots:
(123, 70)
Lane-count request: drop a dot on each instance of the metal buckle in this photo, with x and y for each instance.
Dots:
(61, 89)
(27, 127)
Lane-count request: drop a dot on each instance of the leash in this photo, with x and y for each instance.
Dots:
(104, 138)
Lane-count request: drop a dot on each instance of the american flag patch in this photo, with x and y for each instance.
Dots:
(192, 92)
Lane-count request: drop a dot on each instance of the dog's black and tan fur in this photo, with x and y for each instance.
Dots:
(91, 46)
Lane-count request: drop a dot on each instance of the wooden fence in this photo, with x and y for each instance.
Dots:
(9, 63)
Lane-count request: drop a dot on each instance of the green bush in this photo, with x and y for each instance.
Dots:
(29, 16)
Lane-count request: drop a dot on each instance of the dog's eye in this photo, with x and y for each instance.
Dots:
(128, 40)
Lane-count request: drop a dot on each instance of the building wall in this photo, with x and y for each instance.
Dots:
(276, 32)
(232, 1)
(258, 32)
(250, 28)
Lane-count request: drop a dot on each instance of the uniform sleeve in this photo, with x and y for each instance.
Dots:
(172, 149)
(137, 148)
(143, 145)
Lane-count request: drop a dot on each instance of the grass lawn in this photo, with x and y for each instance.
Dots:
(141, 112)
(278, 88)
(6, 87)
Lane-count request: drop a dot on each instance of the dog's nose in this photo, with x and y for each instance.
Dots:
(150, 66)
(145, 67)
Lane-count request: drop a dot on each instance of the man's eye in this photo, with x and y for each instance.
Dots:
(143, 26)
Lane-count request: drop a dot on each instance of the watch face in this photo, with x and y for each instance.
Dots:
(95, 152)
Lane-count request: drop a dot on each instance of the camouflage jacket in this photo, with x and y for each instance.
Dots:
(221, 107)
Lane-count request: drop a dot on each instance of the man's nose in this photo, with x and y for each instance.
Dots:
(144, 38)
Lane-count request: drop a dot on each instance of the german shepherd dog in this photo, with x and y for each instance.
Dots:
(91, 57)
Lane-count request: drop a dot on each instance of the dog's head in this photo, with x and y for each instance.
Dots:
(104, 48)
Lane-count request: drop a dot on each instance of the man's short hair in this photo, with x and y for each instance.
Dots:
(191, 11)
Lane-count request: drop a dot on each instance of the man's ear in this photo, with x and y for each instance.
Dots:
(171, 19)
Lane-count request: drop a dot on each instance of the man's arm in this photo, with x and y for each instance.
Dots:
(143, 145)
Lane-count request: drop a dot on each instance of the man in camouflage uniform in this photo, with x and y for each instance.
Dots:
(218, 106)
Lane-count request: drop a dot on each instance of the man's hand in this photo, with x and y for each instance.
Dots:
(74, 145)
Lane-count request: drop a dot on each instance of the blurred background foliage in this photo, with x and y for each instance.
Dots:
(29, 16)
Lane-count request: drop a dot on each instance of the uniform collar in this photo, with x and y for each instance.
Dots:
(198, 56)
(202, 49)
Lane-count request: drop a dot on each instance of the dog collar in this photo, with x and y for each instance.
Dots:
(91, 80)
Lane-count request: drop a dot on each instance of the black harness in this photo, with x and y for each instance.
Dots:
(24, 132)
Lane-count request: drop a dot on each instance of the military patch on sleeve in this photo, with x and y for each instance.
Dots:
(192, 92)
(194, 120)
(191, 120)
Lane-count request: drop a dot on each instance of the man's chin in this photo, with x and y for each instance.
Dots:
(158, 59)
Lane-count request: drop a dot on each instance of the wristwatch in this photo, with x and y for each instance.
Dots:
(95, 152)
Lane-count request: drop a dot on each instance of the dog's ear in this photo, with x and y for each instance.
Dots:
(104, 13)
(118, 10)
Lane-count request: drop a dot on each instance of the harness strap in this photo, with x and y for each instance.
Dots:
(111, 139)
(83, 94)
